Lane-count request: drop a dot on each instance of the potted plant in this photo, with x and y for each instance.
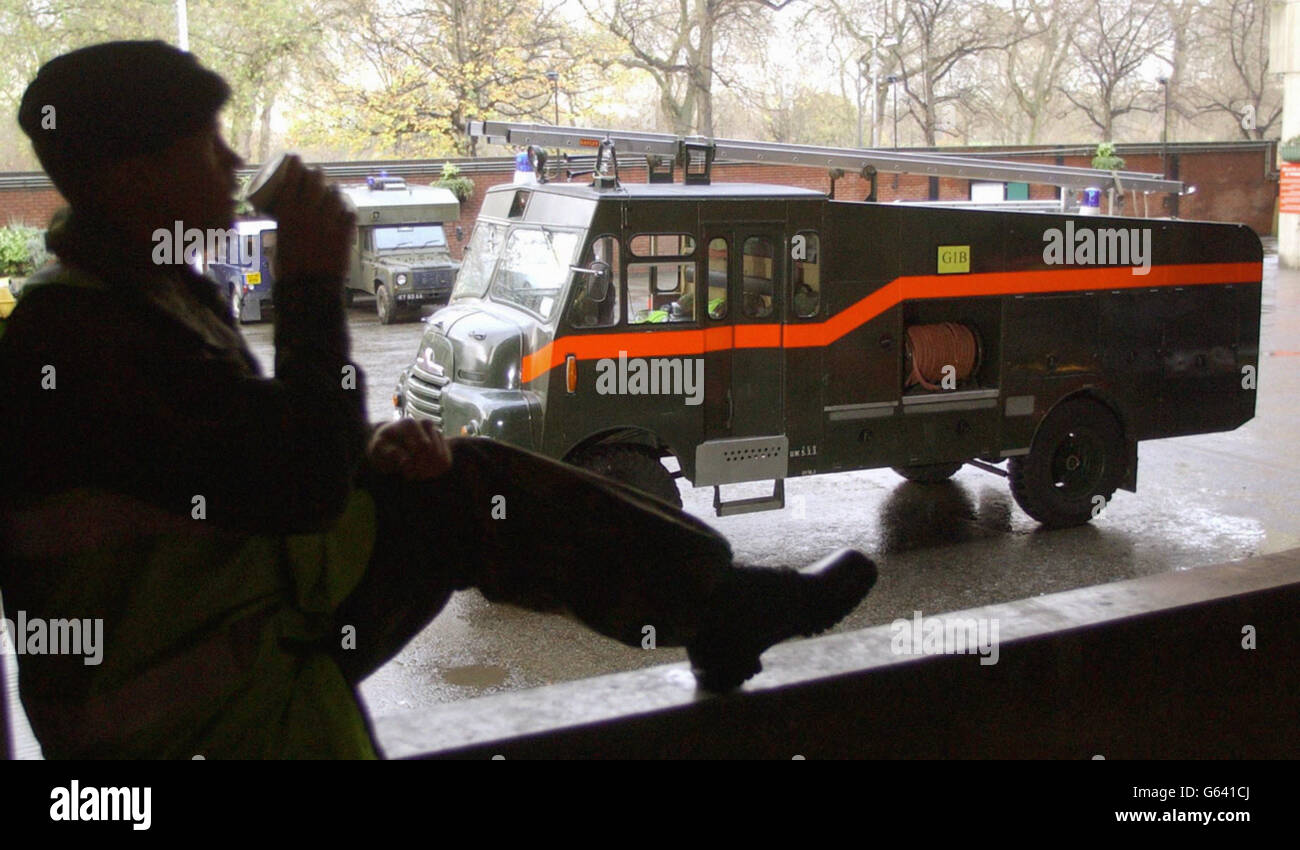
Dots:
(1290, 149)
(1106, 158)
(459, 185)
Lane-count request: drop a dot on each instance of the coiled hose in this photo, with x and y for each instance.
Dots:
(932, 347)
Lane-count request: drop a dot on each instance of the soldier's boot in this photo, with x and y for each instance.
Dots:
(756, 607)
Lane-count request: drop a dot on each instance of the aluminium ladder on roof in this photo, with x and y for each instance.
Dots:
(849, 159)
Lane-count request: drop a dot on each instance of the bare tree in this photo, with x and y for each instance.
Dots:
(1034, 61)
(1110, 42)
(677, 43)
(1228, 74)
(932, 40)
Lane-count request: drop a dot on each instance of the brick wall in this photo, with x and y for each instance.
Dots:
(28, 206)
(1232, 185)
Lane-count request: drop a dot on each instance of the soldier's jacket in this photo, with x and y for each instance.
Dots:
(152, 477)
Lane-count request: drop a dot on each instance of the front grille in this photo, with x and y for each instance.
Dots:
(437, 280)
(429, 374)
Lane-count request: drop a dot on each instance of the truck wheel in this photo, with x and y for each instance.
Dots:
(1077, 456)
(933, 473)
(384, 305)
(635, 466)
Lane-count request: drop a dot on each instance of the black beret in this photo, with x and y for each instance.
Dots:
(115, 100)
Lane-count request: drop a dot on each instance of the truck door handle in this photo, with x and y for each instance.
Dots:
(731, 408)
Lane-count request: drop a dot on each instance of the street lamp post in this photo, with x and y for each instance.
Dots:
(893, 79)
(1164, 132)
(554, 77)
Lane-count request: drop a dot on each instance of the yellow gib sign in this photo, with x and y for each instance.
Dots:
(954, 259)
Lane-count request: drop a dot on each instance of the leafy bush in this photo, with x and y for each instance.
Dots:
(452, 180)
(1106, 158)
(16, 249)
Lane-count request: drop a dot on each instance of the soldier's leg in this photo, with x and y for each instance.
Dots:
(536, 533)
(543, 535)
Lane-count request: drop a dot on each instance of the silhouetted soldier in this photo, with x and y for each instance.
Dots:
(253, 547)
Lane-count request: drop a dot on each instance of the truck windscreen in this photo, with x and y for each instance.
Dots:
(407, 236)
(479, 259)
(534, 267)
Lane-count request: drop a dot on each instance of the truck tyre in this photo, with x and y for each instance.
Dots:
(635, 466)
(384, 305)
(932, 473)
(1077, 456)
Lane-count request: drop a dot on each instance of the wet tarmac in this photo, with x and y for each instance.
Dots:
(1200, 500)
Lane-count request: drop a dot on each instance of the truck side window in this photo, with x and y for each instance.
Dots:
(756, 275)
(718, 278)
(660, 292)
(662, 245)
(586, 313)
(806, 282)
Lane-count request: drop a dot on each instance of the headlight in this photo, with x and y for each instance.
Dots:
(401, 280)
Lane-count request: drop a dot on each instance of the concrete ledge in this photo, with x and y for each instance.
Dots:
(1147, 668)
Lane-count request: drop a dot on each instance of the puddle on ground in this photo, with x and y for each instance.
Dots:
(476, 675)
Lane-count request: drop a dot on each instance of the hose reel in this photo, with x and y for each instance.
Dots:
(932, 348)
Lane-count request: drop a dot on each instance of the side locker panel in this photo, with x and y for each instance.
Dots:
(1051, 342)
(863, 336)
(951, 261)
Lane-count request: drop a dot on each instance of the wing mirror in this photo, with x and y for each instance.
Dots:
(598, 279)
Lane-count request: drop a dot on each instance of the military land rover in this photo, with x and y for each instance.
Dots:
(401, 254)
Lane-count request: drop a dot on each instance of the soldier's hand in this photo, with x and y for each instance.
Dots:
(411, 448)
(315, 228)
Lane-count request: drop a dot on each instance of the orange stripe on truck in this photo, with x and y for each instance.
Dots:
(664, 343)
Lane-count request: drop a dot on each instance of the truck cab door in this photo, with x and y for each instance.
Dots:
(757, 293)
(743, 267)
